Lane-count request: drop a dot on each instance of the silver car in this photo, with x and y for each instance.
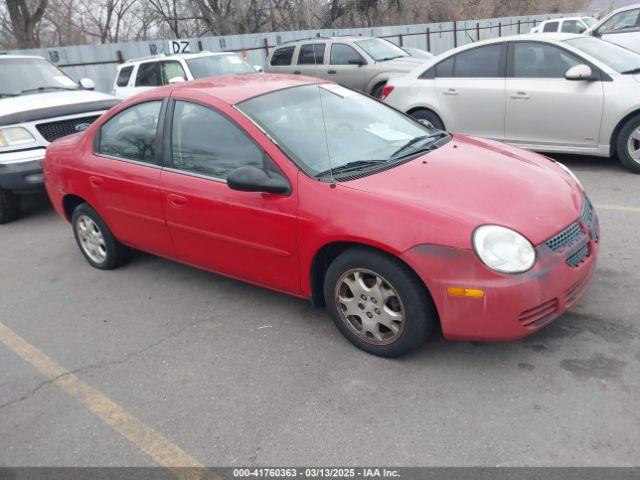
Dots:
(549, 92)
(363, 63)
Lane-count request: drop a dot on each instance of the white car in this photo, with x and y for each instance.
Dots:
(38, 104)
(622, 26)
(135, 76)
(550, 93)
(565, 25)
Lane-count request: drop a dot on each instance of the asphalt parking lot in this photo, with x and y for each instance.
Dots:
(231, 374)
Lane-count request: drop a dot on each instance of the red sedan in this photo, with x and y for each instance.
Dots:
(317, 191)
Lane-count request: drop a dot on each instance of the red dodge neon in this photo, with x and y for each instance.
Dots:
(320, 192)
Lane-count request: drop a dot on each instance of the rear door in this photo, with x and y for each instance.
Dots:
(148, 76)
(246, 235)
(347, 66)
(124, 176)
(470, 88)
(545, 108)
(311, 60)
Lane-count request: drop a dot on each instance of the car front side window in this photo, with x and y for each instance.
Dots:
(540, 60)
(573, 26)
(342, 54)
(131, 134)
(206, 142)
(172, 70)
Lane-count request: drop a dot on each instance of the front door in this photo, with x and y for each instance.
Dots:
(347, 66)
(246, 235)
(545, 108)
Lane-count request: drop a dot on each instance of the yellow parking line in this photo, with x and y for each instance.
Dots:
(160, 449)
(621, 208)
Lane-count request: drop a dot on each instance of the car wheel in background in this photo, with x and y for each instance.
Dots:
(377, 90)
(96, 242)
(429, 116)
(378, 303)
(9, 206)
(628, 144)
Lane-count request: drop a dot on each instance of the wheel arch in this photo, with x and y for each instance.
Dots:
(616, 131)
(328, 252)
(69, 203)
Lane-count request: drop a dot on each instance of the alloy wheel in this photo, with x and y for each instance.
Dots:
(91, 239)
(633, 145)
(369, 306)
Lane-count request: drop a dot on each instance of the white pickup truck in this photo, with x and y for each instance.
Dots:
(38, 104)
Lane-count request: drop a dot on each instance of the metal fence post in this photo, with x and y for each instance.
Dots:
(478, 31)
(518, 26)
(455, 34)
(428, 39)
(400, 39)
(499, 29)
(266, 46)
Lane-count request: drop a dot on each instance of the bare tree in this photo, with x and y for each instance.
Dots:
(25, 18)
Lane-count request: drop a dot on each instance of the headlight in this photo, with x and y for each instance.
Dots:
(13, 136)
(566, 169)
(503, 250)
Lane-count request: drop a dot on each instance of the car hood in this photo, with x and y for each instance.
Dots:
(38, 101)
(482, 182)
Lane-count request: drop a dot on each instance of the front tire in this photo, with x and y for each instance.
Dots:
(9, 206)
(95, 240)
(628, 144)
(429, 116)
(378, 303)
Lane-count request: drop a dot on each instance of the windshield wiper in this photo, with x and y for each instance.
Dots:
(390, 58)
(633, 70)
(44, 89)
(411, 147)
(350, 167)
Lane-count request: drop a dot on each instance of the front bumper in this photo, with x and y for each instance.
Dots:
(513, 306)
(21, 172)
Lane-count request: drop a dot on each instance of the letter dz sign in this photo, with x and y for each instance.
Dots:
(179, 46)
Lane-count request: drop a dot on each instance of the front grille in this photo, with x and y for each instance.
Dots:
(539, 315)
(578, 256)
(566, 238)
(574, 292)
(61, 128)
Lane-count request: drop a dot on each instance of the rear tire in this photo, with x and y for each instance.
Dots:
(378, 303)
(628, 144)
(429, 116)
(9, 206)
(95, 240)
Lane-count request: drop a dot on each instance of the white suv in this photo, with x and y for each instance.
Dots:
(565, 25)
(135, 76)
(38, 104)
(622, 26)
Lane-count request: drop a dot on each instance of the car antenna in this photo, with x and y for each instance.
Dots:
(324, 123)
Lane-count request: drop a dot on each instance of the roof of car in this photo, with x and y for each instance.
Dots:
(233, 89)
(565, 18)
(186, 56)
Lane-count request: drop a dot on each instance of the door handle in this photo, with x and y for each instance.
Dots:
(332, 72)
(95, 181)
(520, 96)
(297, 72)
(177, 201)
(451, 92)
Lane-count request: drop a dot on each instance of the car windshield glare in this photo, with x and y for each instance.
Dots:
(380, 50)
(31, 75)
(215, 65)
(618, 58)
(358, 128)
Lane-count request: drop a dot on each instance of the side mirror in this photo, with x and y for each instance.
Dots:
(174, 80)
(579, 72)
(87, 84)
(258, 68)
(253, 179)
(356, 61)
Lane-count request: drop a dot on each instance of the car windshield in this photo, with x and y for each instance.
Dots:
(381, 50)
(618, 58)
(360, 131)
(214, 65)
(22, 76)
(589, 21)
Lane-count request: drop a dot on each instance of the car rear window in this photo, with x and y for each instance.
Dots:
(282, 56)
(123, 76)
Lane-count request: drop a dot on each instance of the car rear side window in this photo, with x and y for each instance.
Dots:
(311, 54)
(481, 62)
(445, 68)
(342, 54)
(282, 56)
(131, 134)
(550, 27)
(149, 75)
(205, 142)
(540, 60)
(123, 76)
